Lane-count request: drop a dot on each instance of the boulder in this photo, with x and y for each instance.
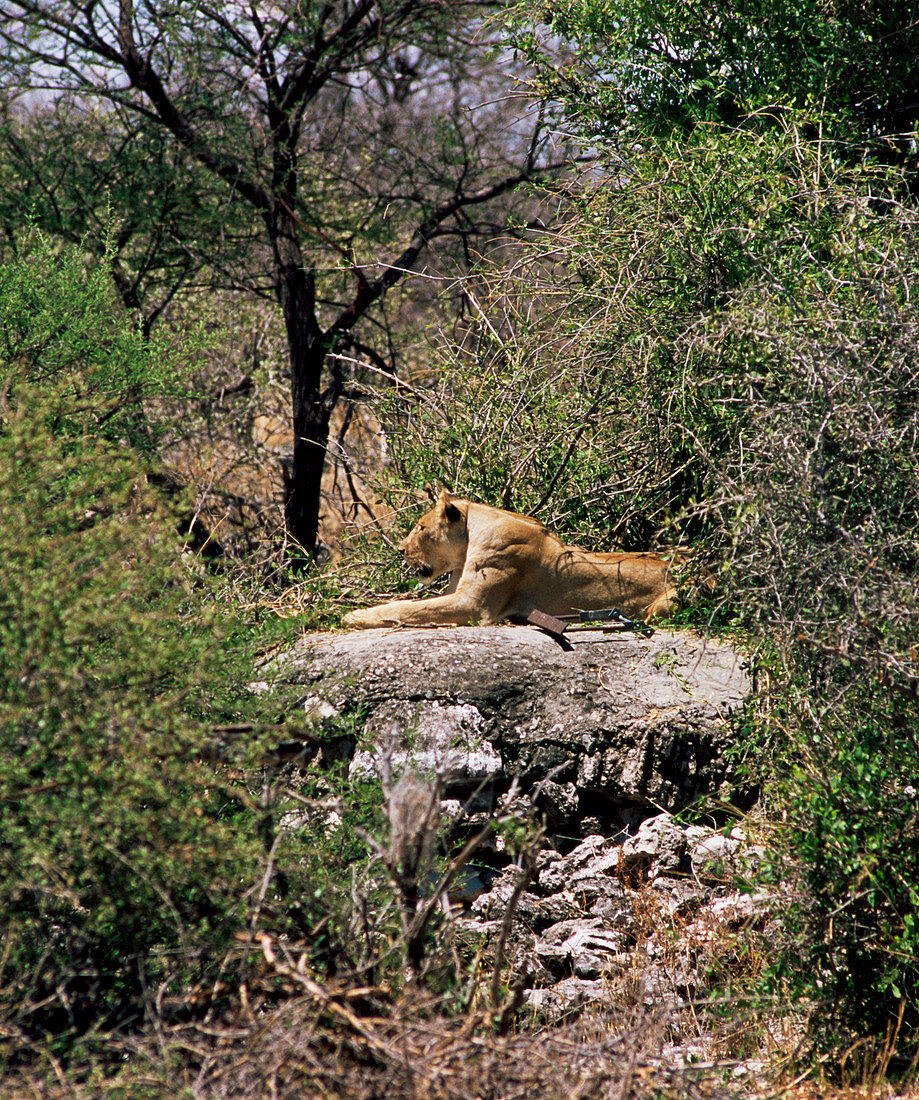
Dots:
(608, 728)
(658, 841)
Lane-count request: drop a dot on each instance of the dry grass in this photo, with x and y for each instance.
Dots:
(413, 1055)
(340, 1044)
(288, 1035)
(340, 1047)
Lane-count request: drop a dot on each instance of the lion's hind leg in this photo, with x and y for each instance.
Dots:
(661, 607)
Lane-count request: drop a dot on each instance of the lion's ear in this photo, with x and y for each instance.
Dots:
(445, 502)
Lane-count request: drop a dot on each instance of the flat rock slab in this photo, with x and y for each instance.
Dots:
(615, 720)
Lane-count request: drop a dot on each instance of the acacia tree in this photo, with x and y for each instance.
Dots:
(276, 109)
(119, 188)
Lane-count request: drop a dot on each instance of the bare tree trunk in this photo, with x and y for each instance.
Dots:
(311, 434)
(310, 411)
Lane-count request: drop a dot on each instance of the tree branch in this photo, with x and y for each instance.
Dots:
(368, 293)
(143, 77)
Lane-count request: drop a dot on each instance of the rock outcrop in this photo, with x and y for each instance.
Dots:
(605, 739)
(605, 731)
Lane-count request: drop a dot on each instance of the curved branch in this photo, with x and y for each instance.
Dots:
(430, 227)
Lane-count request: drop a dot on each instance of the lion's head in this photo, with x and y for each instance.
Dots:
(438, 542)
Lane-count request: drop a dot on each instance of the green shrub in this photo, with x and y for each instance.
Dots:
(506, 427)
(851, 820)
(61, 325)
(127, 860)
(753, 262)
(122, 859)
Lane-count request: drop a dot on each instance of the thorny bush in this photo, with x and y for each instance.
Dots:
(720, 349)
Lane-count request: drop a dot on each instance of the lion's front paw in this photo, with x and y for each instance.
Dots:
(362, 618)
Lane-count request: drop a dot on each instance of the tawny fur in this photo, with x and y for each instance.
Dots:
(505, 565)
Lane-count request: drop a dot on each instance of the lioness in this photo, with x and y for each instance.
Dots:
(506, 565)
